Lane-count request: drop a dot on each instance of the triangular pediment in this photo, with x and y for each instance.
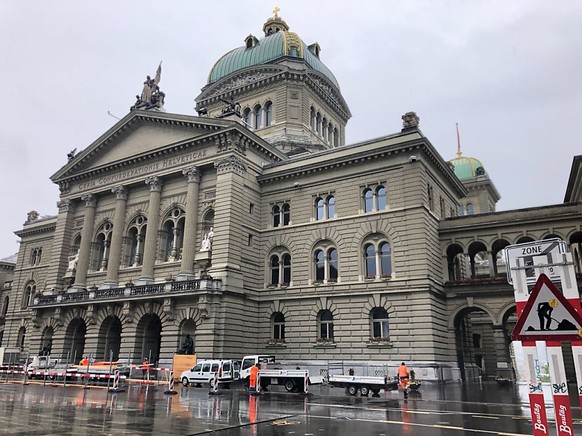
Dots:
(136, 135)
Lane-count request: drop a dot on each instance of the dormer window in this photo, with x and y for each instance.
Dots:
(251, 41)
(315, 49)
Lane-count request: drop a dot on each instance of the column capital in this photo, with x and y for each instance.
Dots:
(231, 164)
(193, 174)
(90, 200)
(154, 183)
(65, 206)
(120, 192)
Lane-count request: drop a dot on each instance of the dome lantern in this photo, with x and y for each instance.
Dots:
(275, 24)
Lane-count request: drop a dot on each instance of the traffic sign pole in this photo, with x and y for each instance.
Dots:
(560, 389)
(532, 366)
(570, 290)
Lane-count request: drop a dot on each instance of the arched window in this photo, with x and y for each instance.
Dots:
(312, 118)
(324, 128)
(324, 209)
(286, 209)
(286, 269)
(280, 265)
(379, 324)
(5, 306)
(335, 138)
(330, 133)
(276, 216)
(470, 210)
(257, 116)
(318, 123)
(173, 235)
(385, 259)
(101, 246)
(377, 259)
(27, 296)
(319, 266)
(268, 113)
(21, 339)
(381, 197)
(247, 118)
(325, 325)
(326, 264)
(330, 206)
(374, 199)
(274, 270)
(333, 265)
(281, 215)
(368, 200)
(319, 208)
(135, 241)
(278, 327)
(370, 260)
(35, 256)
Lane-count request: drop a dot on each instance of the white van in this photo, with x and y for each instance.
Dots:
(203, 373)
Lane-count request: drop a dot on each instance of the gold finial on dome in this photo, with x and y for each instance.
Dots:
(275, 24)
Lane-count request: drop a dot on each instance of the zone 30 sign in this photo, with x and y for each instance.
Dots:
(551, 248)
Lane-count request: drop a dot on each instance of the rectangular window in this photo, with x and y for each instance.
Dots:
(251, 208)
(250, 241)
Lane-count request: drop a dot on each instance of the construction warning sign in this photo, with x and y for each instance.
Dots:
(548, 316)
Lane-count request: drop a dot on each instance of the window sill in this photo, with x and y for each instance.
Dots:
(380, 344)
(324, 345)
(281, 345)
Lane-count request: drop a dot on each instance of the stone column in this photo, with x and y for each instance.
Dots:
(504, 368)
(191, 224)
(151, 239)
(116, 237)
(86, 239)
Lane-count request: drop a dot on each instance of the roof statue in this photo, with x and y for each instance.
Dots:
(151, 96)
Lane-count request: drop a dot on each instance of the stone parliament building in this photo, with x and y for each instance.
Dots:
(255, 228)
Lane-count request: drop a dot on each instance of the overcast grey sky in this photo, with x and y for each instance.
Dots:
(508, 71)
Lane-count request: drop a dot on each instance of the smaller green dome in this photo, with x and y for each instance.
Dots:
(467, 167)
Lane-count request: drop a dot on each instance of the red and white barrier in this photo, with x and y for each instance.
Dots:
(170, 390)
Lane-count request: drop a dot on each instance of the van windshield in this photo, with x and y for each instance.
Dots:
(247, 363)
(197, 367)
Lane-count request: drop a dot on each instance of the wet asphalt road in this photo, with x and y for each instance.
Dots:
(454, 409)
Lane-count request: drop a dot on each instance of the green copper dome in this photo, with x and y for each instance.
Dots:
(277, 45)
(467, 167)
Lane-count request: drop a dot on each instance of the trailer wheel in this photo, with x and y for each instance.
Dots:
(352, 390)
(375, 391)
(185, 381)
(364, 391)
(289, 385)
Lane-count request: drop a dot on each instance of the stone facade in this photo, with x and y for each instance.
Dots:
(321, 252)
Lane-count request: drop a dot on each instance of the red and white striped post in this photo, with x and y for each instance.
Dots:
(214, 390)
(171, 390)
(115, 389)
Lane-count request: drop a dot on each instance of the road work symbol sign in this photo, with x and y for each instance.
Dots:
(548, 316)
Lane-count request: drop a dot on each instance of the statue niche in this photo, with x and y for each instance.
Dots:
(187, 345)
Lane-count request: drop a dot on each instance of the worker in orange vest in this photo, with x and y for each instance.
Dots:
(84, 361)
(145, 366)
(404, 377)
(253, 377)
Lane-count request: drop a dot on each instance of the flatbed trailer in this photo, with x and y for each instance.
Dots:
(290, 379)
(364, 384)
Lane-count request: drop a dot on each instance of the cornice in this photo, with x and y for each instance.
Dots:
(337, 157)
(47, 226)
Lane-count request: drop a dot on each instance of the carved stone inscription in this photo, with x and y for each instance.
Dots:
(142, 170)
